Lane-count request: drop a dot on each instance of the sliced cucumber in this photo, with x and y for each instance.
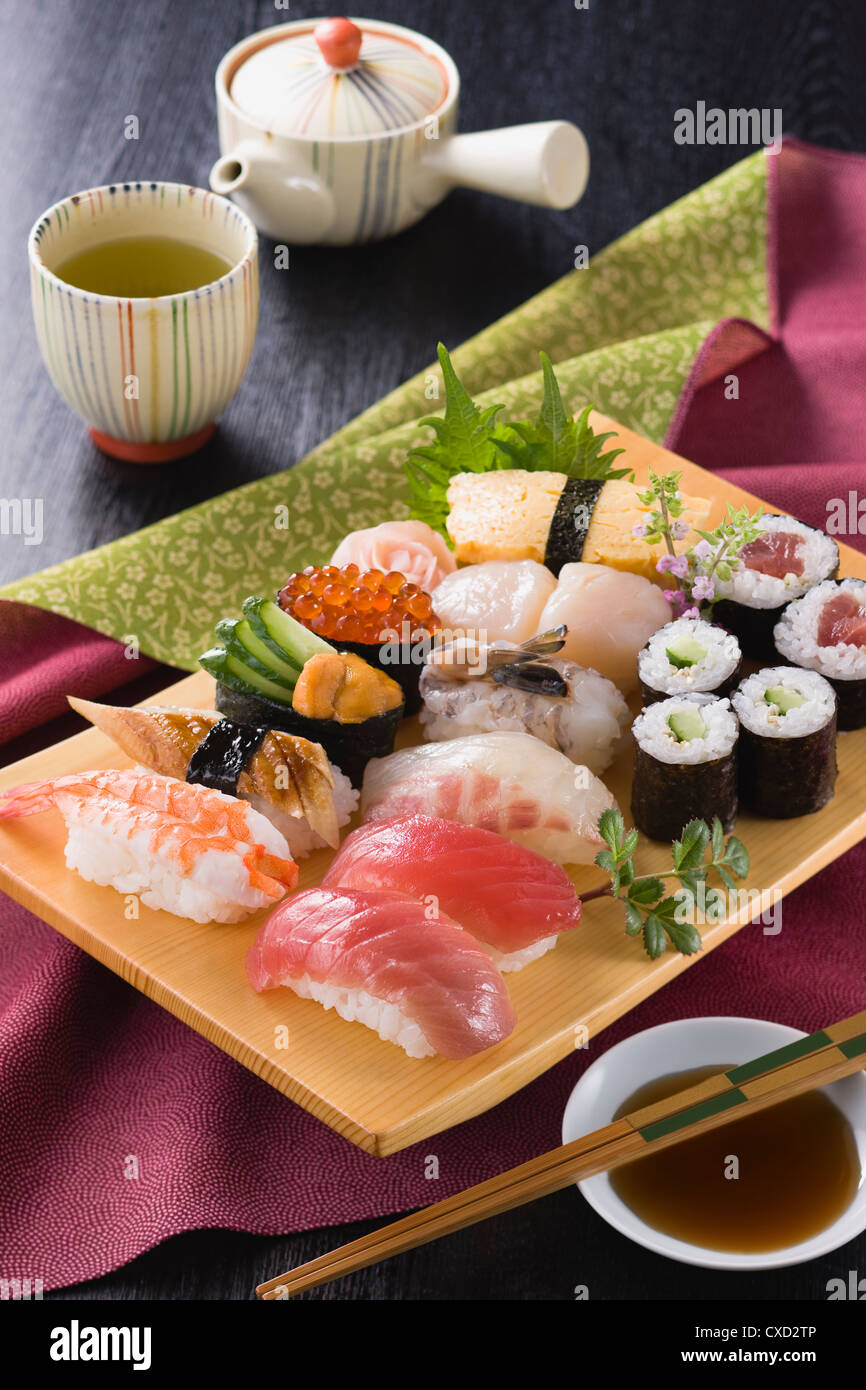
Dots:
(296, 643)
(685, 651)
(225, 666)
(784, 700)
(687, 724)
(252, 608)
(229, 631)
(275, 665)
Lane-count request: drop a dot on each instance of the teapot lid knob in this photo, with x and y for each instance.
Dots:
(339, 42)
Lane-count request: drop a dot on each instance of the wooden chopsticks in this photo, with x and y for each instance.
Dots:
(800, 1066)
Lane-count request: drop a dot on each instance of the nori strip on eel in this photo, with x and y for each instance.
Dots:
(223, 754)
(349, 746)
(786, 777)
(571, 521)
(666, 796)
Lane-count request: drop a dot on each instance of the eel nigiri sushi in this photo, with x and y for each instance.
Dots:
(508, 782)
(512, 900)
(379, 959)
(287, 778)
(512, 514)
(188, 849)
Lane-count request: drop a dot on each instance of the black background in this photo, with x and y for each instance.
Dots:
(344, 326)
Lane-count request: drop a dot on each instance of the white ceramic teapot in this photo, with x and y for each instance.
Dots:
(344, 131)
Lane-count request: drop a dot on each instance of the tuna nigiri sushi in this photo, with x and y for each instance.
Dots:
(381, 960)
(515, 902)
(287, 778)
(510, 783)
(188, 849)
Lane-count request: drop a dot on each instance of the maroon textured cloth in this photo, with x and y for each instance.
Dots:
(97, 1082)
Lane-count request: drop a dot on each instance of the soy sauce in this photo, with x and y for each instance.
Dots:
(798, 1172)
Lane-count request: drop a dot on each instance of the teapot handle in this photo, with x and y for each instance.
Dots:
(546, 162)
(297, 208)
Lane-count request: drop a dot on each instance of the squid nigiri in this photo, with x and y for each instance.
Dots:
(380, 959)
(512, 900)
(287, 778)
(188, 849)
(507, 782)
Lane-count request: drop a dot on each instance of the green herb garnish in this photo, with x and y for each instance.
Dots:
(472, 440)
(648, 912)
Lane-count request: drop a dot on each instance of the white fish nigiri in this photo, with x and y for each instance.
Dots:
(610, 615)
(501, 599)
(506, 782)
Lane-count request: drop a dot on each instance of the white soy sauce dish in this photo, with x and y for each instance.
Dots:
(688, 1044)
(345, 131)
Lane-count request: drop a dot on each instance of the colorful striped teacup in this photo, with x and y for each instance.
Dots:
(147, 376)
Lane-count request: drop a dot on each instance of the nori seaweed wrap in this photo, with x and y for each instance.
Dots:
(685, 765)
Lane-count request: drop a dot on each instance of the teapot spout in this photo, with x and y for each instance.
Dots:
(296, 208)
(546, 162)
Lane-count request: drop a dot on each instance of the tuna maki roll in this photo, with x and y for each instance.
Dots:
(786, 560)
(274, 674)
(685, 765)
(788, 741)
(689, 656)
(825, 631)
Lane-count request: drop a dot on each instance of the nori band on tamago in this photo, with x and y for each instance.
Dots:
(223, 754)
(571, 520)
(666, 796)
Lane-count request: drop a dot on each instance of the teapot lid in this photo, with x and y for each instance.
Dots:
(338, 79)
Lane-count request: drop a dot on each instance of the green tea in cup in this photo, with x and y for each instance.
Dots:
(142, 267)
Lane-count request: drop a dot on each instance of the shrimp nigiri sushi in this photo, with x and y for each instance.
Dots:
(188, 849)
(380, 959)
(287, 778)
(508, 782)
(511, 899)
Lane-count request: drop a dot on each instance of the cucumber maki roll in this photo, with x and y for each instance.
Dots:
(786, 560)
(788, 741)
(825, 631)
(685, 765)
(689, 656)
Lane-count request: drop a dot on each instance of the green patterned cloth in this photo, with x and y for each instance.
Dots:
(622, 333)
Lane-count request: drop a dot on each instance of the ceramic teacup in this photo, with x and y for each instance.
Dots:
(147, 376)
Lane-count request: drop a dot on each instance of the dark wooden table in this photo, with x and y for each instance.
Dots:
(345, 326)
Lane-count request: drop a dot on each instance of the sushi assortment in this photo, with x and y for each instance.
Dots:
(536, 606)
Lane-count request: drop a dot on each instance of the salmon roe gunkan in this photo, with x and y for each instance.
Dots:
(356, 605)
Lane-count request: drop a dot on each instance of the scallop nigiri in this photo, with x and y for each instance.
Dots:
(511, 899)
(507, 782)
(188, 849)
(381, 959)
(287, 778)
(610, 616)
(499, 600)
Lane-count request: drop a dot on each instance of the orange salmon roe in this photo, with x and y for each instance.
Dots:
(346, 605)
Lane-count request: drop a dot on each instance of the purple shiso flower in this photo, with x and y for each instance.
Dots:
(703, 551)
(673, 564)
(639, 531)
(680, 530)
(703, 588)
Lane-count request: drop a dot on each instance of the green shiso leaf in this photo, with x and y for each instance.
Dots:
(472, 440)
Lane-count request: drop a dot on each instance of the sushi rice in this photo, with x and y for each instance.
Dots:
(795, 634)
(653, 732)
(754, 589)
(722, 660)
(358, 1006)
(761, 717)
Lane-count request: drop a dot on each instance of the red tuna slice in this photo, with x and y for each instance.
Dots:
(386, 944)
(506, 895)
(774, 552)
(842, 620)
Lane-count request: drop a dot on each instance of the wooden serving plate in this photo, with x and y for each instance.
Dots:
(366, 1089)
